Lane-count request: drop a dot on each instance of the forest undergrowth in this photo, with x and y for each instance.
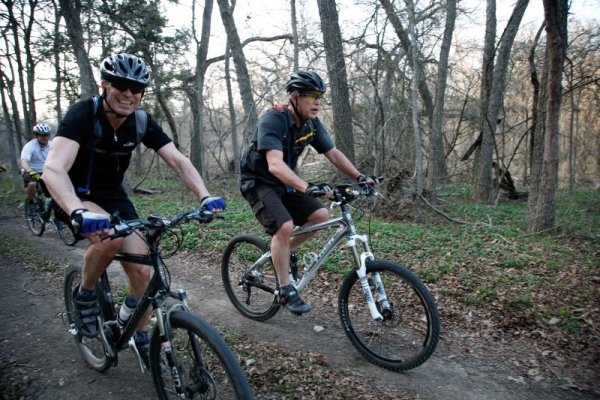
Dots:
(530, 300)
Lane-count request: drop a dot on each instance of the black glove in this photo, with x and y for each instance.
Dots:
(368, 179)
(317, 189)
(85, 221)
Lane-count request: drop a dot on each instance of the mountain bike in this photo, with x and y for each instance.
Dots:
(386, 311)
(188, 358)
(40, 212)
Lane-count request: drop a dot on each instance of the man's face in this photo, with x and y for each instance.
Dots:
(42, 139)
(123, 97)
(309, 104)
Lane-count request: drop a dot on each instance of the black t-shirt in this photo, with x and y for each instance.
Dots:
(276, 130)
(113, 150)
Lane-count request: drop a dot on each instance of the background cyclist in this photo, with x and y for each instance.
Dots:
(33, 156)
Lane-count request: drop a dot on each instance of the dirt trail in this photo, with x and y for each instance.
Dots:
(39, 360)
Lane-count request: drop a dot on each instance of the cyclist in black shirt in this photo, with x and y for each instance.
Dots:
(84, 173)
(279, 197)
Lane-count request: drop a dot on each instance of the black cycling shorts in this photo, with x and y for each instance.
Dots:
(274, 206)
(114, 201)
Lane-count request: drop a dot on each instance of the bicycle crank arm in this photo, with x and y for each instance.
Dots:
(137, 355)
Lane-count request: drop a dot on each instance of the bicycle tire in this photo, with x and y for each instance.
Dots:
(410, 331)
(34, 219)
(251, 301)
(91, 349)
(65, 232)
(207, 367)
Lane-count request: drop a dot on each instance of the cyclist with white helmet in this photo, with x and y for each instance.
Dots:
(84, 173)
(279, 197)
(33, 156)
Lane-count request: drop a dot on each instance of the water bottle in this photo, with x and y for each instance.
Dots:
(127, 308)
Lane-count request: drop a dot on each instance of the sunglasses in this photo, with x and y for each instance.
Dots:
(123, 86)
(313, 95)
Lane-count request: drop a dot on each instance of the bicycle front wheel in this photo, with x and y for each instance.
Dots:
(206, 368)
(92, 349)
(250, 285)
(410, 329)
(65, 232)
(34, 219)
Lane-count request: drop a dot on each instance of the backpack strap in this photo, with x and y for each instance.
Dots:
(141, 124)
(97, 101)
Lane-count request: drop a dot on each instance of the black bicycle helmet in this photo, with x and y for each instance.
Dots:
(305, 81)
(42, 129)
(125, 67)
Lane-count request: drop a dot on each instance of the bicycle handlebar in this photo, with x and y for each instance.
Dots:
(122, 228)
(345, 193)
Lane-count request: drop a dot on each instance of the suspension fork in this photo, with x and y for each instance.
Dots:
(164, 328)
(362, 274)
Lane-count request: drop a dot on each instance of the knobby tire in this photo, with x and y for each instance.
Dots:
(250, 291)
(207, 367)
(34, 219)
(92, 349)
(410, 331)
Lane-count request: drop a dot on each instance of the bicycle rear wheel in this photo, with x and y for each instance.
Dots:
(65, 232)
(92, 349)
(206, 366)
(33, 216)
(250, 287)
(410, 330)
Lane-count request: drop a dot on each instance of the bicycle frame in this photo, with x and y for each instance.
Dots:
(158, 284)
(345, 228)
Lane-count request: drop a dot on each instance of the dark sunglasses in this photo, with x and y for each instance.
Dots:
(123, 86)
(313, 95)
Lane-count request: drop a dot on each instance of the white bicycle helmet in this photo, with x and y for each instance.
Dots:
(42, 129)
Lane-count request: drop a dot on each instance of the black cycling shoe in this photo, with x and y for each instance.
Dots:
(86, 314)
(289, 297)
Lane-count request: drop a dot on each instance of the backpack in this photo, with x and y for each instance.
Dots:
(141, 126)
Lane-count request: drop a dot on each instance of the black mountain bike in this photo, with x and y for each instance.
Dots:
(387, 312)
(40, 212)
(188, 358)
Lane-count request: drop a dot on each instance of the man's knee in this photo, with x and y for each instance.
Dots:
(138, 273)
(285, 230)
(321, 215)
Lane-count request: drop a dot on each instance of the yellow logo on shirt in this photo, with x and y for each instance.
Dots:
(305, 137)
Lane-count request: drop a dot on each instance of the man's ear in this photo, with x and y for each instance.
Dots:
(103, 86)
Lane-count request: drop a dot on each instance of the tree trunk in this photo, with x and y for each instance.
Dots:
(338, 78)
(484, 153)
(437, 159)
(197, 150)
(14, 166)
(419, 175)
(233, 118)
(541, 215)
(243, 77)
(71, 10)
(295, 34)
(56, 62)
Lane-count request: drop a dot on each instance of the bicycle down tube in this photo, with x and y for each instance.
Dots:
(346, 228)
